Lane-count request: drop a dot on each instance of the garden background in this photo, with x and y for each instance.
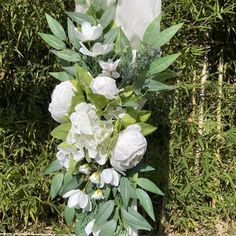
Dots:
(193, 151)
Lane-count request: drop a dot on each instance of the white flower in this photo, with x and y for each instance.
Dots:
(98, 195)
(84, 118)
(95, 178)
(110, 176)
(89, 229)
(97, 49)
(84, 169)
(130, 148)
(61, 101)
(89, 32)
(78, 199)
(109, 68)
(105, 86)
(67, 152)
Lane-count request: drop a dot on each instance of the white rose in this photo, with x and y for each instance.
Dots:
(130, 148)
(61, 101)
(105, 86)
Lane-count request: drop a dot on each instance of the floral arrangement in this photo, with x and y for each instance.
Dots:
(100, 105)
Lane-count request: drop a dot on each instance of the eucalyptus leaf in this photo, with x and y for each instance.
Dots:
(70, 69)
(53, 41)
(69, 214)
(72, 34)
(125, 191)
(104, 212)
(111, 35)
(56, 184)
(54, 166)
(162, 63)
(68, 55)
(108, 228)
(149, 186)
(146, 202)
(56, 28)
(79, 17)
(62, 76)
(108, 16)
(156, 86)
(142, 167)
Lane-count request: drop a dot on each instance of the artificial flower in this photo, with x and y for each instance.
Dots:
(61, 101)
(105, 86)
(84, 169)
(129, 149)
(95, 178)
(78, 199)
(97, 49)
(98, 195)
(110, 176)
(88, 32)
(89, 229)
(109, 68)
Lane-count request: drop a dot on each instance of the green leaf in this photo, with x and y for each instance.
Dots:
(142, 167)
(104, 212)
(108, 228)
(72, 165)
(79, 17)
(108, 16)
(127, 120)
(156, 86)
(162, 63)
(61, 131)
(83, 76)
(54, 166)
(144, 116)
(74, 183)
(135, 220)
(97, 5)
(62, 76)
(72, 34)
(131, 103)
(147, 129)
(70, 69)
(125, 191)
(146, 202)
(98, 100)
(69, 214)
(165, 75)
(111, 35)
(165, 36)
(68, 55)
(56, 28)
(152, 31)
(56, 184)
(53, 41)
(149, 186)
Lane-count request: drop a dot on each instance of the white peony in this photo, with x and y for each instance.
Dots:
(110, 176)
(61, 101)
(129, 149)
(105, 86)
(89, 32)
(78, 199)
(97, 49)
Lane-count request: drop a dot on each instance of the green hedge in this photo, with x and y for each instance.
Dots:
(194, 157)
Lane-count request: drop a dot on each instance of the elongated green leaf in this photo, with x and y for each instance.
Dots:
(97, 5)
(147, 129)
(72, 34)
(70, 69)
(74, 183)
(144, 116)
(54, 166)
(68, 55)
(69, 214)
(98, 100)
(62, 76)
(165, 36)
(142, 167)
(79, 18)
(108, 228)
(53, 41)
(149, 186)
(56, 28)
(135, 220)
(156, 86)
(61, 131)
(83, 76)
(165, 75)
(162, 63)
(56, 185)
(111, 35)
(146, 202)
(125, 191)
(152, 31)
(108, 16)
(104, 213)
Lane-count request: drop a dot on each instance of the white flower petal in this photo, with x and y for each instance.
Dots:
(70, 193)
(73, 200)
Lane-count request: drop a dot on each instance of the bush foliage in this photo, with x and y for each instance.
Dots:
(193, 149)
